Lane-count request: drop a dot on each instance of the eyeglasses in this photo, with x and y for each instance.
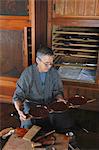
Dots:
(46, 64)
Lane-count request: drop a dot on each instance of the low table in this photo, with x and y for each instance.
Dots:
(17, 143)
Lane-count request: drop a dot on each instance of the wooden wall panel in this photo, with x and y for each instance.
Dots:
(70, 7)
(66, 8)
(97, 8)
(79, 7)
(90, 6)
(59, 7)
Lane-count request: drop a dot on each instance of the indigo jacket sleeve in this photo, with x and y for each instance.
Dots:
(22, 86)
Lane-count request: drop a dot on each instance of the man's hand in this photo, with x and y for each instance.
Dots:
(19, 107)
(22, 115)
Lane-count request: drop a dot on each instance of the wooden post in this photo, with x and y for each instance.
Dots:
(32, 18)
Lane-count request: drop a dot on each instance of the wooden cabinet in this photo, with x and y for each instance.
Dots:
(73, 34)
(14, 21)
(22, 31)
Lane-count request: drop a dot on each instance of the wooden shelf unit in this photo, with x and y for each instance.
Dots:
(63, 45)
(74, 38)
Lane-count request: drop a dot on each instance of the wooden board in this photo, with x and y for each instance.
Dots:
(31, 133)
(17, 143)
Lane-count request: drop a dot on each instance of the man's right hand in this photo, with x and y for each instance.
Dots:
(22, 116)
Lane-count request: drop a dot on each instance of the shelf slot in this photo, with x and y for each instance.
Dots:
(78, 50)
(77, 33)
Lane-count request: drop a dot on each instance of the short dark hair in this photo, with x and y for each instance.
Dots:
(44, 51)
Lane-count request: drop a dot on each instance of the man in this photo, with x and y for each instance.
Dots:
(39, 83)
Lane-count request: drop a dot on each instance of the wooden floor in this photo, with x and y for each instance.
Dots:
(88, 119)
(5, 116)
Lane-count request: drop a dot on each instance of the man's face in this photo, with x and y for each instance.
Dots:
(45, 63)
